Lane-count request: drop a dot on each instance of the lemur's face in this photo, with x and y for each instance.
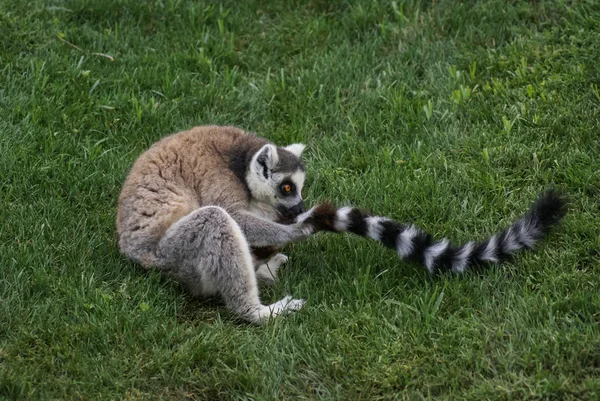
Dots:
(276, 177)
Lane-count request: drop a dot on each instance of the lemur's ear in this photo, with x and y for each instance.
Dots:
(296, 148)
(266, 159)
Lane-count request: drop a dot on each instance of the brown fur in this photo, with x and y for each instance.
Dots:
(177, 175)
(323, 217)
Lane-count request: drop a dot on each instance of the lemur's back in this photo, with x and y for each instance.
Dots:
(177, 175)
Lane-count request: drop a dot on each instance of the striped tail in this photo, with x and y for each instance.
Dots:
(413, 244)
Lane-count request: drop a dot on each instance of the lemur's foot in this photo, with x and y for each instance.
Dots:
(267, 272)
(286, 305)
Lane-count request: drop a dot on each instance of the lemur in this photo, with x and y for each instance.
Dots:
(211, 206)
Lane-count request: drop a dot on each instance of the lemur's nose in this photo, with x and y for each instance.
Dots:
(298, 209)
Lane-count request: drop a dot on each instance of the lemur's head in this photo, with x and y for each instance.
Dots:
(276, 176)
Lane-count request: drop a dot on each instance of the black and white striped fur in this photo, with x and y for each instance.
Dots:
(413, 244)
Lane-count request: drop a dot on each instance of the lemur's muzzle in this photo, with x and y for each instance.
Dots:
(292, 212)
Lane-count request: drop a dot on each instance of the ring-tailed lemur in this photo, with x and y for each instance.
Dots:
(209, 205)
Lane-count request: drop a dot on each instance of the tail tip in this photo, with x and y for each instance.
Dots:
(549, 208)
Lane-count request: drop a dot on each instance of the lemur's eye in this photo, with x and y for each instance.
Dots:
(287, 188)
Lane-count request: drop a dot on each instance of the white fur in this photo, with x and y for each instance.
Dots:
(374, 228)
(433, 252)
(459, 264)
(270, 151)
(525, 232)
(264, 210)
(489, 253)
(259, 185)
(404, 242)
(298, 178)
(511, 244)
(341, 221)
(296, 148)
(287, 304)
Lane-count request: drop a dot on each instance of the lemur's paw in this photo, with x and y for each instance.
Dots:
(307, 230)
(290, 304)
(266, 275)
(301, 218)
(278, 260)
(303, 230)
(294, 304)
(319, 218)
(287, 304)
(268, 271)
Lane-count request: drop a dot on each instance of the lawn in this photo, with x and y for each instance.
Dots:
(451, 114)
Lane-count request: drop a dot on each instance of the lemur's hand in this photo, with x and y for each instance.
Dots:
(319, 218)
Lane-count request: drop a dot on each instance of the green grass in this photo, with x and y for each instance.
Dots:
(453, 115)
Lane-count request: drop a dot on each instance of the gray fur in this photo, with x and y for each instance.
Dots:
(288, 162)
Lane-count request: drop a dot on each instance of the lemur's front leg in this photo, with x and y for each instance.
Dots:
(266, 237)
(261, 233)
(323, 217)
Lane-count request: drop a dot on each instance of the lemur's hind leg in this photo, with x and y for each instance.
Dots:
(208, 254)
(267, 272)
